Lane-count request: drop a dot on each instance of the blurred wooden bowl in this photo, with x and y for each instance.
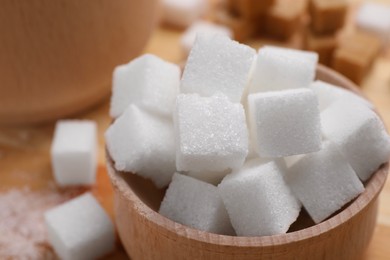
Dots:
(57, 56)
(146, 234)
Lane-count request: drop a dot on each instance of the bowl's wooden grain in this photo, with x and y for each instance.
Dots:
(148, 235)
(57, 57)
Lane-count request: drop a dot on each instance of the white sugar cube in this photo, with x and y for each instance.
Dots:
(148, 82)
(188, 38)
(208, 176)
(285, 123)
(359, 134)
(375, 18)
(211, 133)
(74, 152)
(258, 201)
(182, 13)
(309, 56)
(196, 204)
(217, 64)
(80, 229)
(323, 182)
(144, 144)
(278, 69)
(328, 94)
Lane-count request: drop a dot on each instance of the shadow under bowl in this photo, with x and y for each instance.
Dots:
(146, 234)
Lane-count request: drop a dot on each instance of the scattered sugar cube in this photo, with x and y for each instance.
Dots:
(188, 38)
(249, 9)
(258, 201)
(182, 13)
(208, 176)
(74, 152)
(324, 45)
(323, 182)
(217, 64)
(278, 69)
(144, 144)
(196, 204)
(211, 133)
(80, 229)
(359, 134)
(148, 82)
(285, 123)
(327, 16)
(328, 94)
(375, 18)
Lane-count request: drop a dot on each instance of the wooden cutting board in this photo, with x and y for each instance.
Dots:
(25, 158)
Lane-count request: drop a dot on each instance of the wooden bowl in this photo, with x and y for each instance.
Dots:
(57, 56)
(146, 234)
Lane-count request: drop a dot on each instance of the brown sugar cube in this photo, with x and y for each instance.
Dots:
(327, 16)
(324, 45)
(249, 8)
(283, 19)
(242, 29)
(356, 54)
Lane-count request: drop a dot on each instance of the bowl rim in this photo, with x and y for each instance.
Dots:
(372, 189)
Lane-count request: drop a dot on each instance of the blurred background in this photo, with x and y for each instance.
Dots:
(57, 58)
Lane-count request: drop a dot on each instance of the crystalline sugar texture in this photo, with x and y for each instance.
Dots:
(144, 144)
(285, 123)
(359, 134)
(196, 204)
(324, 182)
(74, 152)
(211, 133)
(217, 64)
(80, 229)
(148, 82)
(258, 201)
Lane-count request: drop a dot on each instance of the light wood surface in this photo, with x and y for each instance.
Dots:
(57, 56)
(25, 160)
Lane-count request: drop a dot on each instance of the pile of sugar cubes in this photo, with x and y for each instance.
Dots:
(243, 139)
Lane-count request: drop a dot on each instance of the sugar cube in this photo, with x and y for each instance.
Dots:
(217, 64)
(211, 133)
(324, 45)
(258, 201)
(324, 182)
(285, 123)
(188, 38)
(80, 229)
(182, 13)
(148, 82)
(359, 134)
(196, 204)
(327, 16)
(278, 69)
(74, 152)
(328, 94)
(375, 18)
(208, 176)
(143, 143)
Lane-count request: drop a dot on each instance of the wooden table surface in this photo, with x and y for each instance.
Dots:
(25, 158)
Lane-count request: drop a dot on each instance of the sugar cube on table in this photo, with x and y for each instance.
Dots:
(327, 16)
(217, 64)
(328, 94)
(196, 204)
(148, 82)
(249, 9)
(285, 123)
(278, 69)
(74, 152)
(80, 229)
(323, 181)
(258, 201)
(324, 45)
(188, 38)
(143, 143)
(359, 134)
(211, 133)
(375, 18)
(182, 13)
